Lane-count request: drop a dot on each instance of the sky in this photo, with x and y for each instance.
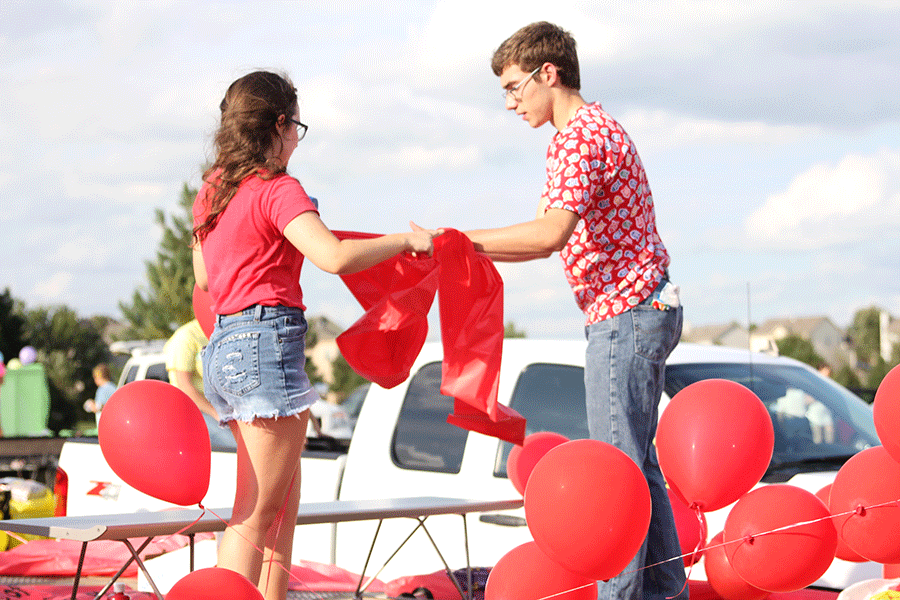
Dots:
(770, 132)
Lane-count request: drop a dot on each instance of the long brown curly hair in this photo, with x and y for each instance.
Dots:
(250, 112)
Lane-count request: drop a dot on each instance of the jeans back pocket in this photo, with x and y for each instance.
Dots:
(656, 332)
(237, 363)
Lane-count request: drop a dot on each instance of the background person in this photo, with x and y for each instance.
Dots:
(105, 389)
(185, 364)
(596, 209)
(253, 226)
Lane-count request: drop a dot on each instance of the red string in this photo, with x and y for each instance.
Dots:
(183, 529)
(694, 555)
(279, 521)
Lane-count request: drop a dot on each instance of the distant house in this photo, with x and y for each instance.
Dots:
(889, 329)
(728, 334)
(827, 339)
(326, 350)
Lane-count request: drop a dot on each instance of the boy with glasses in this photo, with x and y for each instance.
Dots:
(597, 211)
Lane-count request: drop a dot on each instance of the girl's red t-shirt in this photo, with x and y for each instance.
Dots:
(248, 259)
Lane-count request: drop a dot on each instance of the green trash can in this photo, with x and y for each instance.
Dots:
(25, 401)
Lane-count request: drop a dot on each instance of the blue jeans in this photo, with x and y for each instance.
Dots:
(623, 378)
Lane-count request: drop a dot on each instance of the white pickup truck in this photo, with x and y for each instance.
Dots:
(402, 446)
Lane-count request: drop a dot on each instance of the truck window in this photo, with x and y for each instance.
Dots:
(423, 440)
(551, 398)
(814, 419)
(158, 371)
(130, 375)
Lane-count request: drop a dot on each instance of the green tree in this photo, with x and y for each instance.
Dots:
(156, 312)
(345, 378)
(800, 349)
(847, 377)
(510, 331)
(866, 335)
(877, 373)
(69, 348)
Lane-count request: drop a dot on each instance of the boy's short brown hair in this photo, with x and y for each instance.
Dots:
(535, 44)
(102, 371)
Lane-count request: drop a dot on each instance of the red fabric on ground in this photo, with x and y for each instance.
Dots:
(318, 577)
(397, 295)
(701, 590)
(59, 558)
(437, 583)
(62, 592)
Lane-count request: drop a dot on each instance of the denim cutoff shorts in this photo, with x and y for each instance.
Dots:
(253, 367)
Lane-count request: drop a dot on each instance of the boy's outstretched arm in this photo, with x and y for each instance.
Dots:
(529, 240)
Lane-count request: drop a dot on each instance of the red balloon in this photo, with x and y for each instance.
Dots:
(886, 412)
(153, 436)
(891, 571)
(214, 583)
(691, 526)
(723, 578)
(843, 552)
(869, 478)
(780, 538)
(525, 573)
(522, 458)
(714, 442)
(203, 311)
(587, 505)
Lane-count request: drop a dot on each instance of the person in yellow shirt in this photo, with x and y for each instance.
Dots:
(185, 367)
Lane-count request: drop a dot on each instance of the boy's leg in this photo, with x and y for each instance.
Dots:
(624, 372)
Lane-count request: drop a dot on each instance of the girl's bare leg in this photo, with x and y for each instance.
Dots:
(279, 545)
(268, 458)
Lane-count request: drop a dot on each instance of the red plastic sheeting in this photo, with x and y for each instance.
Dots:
(61, 592)
(308, 576)
(438, 584)
(397, 295)
(59, 558)
(701, 590)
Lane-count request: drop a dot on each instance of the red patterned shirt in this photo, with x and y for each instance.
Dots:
(615, 256)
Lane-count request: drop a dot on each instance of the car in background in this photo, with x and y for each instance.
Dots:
(353, 403)
(331, 421)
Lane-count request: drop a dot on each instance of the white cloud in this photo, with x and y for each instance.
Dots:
(664, 130)
(832, 205)
(53, 289)
(419, 158)
(462, 35)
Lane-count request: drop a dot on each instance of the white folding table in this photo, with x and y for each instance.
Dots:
(189, 522)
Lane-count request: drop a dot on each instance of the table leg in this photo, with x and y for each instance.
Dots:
(140, 564)
(78, 572)
(110, 583)
(444, 561)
